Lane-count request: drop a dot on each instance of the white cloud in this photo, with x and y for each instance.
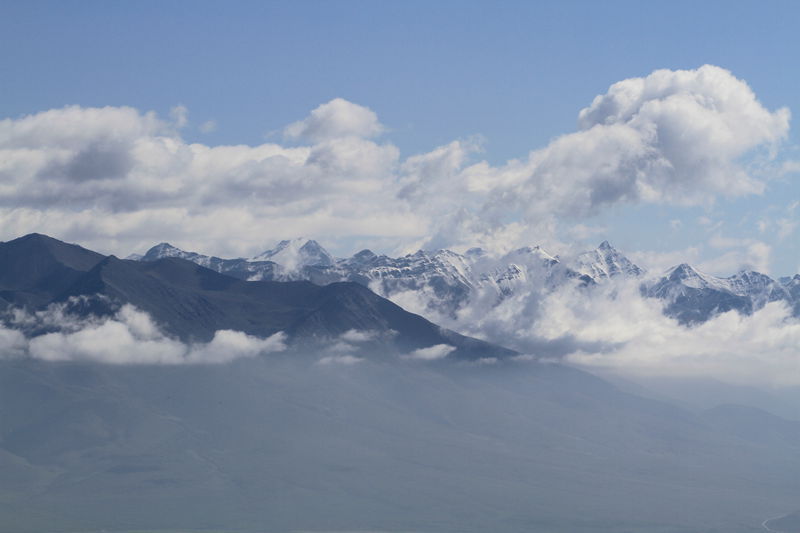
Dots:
(179, 115)
(740, 254)
(119, 180)
(13, 343)
(632, 336)
(358, 336)
(614, 327)
(208, 126)
(431, 353)
(583, 232)
(671, 137)
(335, 119)
(786, 227)
(129, 337)
(656, 261)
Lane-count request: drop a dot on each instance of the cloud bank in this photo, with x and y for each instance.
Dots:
(615, 328)
(119, 179)
(128, 337)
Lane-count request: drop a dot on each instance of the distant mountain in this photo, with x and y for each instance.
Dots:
(606, 262)
(693, 296)
(446, 281)
(36, 268)
(297, 253)
(192, 302)
(445, 278)
(792, 286)
(290, 443)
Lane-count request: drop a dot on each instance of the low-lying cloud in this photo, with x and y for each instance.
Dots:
(615, 328)
(128, 337)
(431, 353)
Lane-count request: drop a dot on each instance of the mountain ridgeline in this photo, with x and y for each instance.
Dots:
(446, 280)
(192, 302)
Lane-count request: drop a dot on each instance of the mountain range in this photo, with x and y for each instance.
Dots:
(286, 442)
(192, 302)
(445, 280)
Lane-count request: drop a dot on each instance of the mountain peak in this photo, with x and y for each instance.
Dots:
(605, 262)
(297, 253)
(682, 271)
(39, 244)
(365, 255)
(163, 249)
(31, 236)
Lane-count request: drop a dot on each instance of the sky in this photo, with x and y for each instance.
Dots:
(223, 127)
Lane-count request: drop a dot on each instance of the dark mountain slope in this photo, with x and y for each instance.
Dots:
(35, 268)
(193, 302)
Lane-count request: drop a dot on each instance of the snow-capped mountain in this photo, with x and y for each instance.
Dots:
(247, 269)
(440, 283)
(297, 253)
(792, 286)
(693, 296)
(605, 262)
(442, 280)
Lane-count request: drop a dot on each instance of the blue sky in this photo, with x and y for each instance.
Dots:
(513, 75)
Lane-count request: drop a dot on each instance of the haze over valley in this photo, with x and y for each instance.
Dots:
(393, 267)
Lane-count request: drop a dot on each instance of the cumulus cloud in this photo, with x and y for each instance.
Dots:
(128, 337)
(631, 335)
(674, 137)
(613, 327)
(118, 179)
(335, 119)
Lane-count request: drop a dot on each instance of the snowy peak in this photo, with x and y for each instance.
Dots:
(760, 288)
(748, 281)
(364, 257)
(165, 249)
(605, 262)
(694, 296)
(162, 250)
(529, 256)
(442, 281)
(686, 274)
(297, 253)
(744, 283)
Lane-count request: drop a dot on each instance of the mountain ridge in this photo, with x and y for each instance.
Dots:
(193, 302)
(447, 280)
